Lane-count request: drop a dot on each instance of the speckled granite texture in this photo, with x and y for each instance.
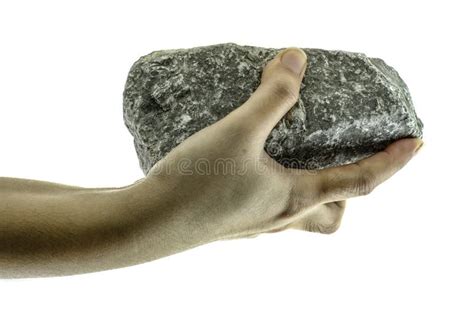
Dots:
(350, 105)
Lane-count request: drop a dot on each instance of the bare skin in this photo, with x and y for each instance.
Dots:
(186, 200)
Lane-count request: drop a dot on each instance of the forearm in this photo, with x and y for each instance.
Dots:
(50, 229)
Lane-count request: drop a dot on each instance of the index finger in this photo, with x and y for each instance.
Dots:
(360, 178)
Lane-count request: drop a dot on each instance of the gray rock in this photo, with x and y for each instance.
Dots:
(350, 105)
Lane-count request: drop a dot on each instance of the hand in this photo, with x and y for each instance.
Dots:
(223, 183)
(217, 184)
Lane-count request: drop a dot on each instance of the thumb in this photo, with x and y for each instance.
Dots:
(277, 93)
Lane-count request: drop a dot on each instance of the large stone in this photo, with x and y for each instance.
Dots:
(350, 105)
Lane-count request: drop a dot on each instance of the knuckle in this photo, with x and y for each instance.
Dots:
(311, 227)
(329, 229)
(284, 89)
(323, 228)
(365, 184)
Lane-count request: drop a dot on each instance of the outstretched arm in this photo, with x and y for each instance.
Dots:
(187, 199)
(53, 229)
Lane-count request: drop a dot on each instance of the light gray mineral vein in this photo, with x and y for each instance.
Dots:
(350, 105)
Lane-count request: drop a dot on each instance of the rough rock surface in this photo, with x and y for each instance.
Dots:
(350, 105)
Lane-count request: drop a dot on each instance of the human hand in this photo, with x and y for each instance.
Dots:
(222, 182)
(218, 184)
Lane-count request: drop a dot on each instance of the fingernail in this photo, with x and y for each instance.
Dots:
(420, 144)
(294, 59)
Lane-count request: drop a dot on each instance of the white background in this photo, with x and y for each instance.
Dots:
(407, 249)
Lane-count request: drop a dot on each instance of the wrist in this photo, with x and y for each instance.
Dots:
(169, 221)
